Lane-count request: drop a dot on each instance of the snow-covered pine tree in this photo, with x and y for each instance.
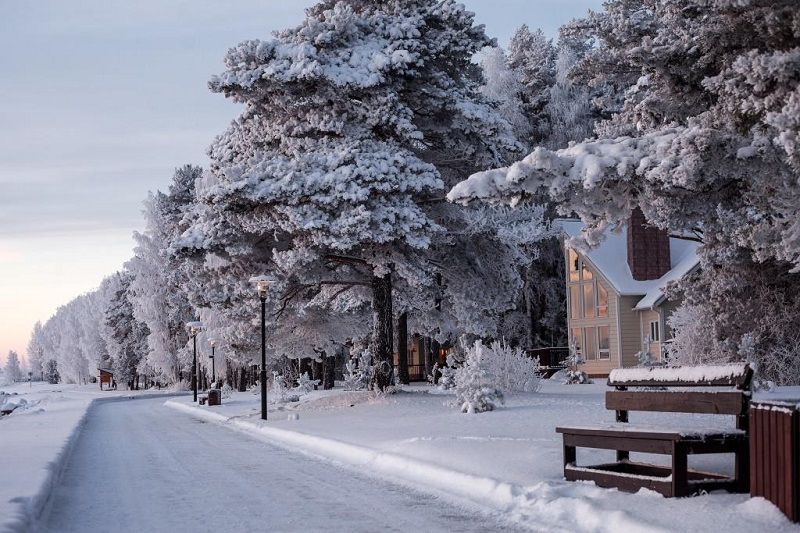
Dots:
(533, 57)
(353, 123)
(477, 390)
(51, 371)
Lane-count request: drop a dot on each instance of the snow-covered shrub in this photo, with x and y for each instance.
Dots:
(279, 392)
(447, 380)
(645, 358)
(305, 384)
(576, 377)
(226, 390)
(432, 376)
(693, 337)
(358, 372)
(512, 369)
(476, 391)
(489, 372)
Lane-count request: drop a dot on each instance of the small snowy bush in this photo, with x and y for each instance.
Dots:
(576, 377)
(489, 372)
(432, 376)
(512, 369)
(279, 391)
(226, 390)
(305, 384)
(358, 372)
(447, 380)
(645, 358)
(475, 388)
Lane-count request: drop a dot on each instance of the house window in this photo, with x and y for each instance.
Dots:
(591, 343)
(574, 266)
(589, 306)
(585, 272)
(604, 342)
(602, 300)
(575, 301)
(654, 331)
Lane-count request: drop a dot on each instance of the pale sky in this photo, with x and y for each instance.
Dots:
(100, 100)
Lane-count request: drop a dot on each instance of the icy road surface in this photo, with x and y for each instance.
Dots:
(138, 466)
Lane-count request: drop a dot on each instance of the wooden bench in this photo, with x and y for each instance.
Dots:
(713, 389)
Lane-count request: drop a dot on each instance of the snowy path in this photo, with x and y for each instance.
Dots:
(139, 467)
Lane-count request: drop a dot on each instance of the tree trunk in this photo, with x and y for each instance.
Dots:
(328, 372)
(316, 367)
(242, 379)
(382, 334)
(402, 349)
(428, 357)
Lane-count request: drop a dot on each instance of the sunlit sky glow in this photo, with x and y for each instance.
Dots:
(101, 101)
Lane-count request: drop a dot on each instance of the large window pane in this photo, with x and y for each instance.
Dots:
(588, 300)
(602, 300)
(575, 301)
(591, 343)
(604, 342)
(585, 272)
(574, 273)
(654, 332)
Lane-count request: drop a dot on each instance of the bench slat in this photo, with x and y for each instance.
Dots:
(722, 403)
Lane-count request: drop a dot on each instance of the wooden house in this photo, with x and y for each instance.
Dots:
(616, 307)
(107, 378)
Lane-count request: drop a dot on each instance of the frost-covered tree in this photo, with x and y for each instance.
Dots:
(12, 368)
(504, 85)
(51, 371)
(354, 123)
(35, 352)
(126, 337)
(571, 114)
(532, 56)
(71, 338)
(157, 291)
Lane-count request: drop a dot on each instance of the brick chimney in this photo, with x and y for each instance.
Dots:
(648, 249)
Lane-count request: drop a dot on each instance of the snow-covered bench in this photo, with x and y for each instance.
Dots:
(713, 389)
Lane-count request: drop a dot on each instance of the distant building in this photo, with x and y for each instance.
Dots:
(616, 305)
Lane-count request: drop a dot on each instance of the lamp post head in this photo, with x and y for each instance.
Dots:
(194, 327)
(262, 284)
(212, 342)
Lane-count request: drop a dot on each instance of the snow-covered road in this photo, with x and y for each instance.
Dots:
(139, 467)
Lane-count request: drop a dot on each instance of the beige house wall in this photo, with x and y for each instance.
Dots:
(630, 330)
(646, 317)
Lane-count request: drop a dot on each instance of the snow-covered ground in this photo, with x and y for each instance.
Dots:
(507, 460)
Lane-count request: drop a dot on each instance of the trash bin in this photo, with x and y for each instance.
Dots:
(775, 453)
(214, 397)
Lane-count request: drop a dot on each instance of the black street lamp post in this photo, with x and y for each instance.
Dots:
(194, 329)
(213, 343)
(262, 286)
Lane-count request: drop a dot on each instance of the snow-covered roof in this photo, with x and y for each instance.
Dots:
(610, 260)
